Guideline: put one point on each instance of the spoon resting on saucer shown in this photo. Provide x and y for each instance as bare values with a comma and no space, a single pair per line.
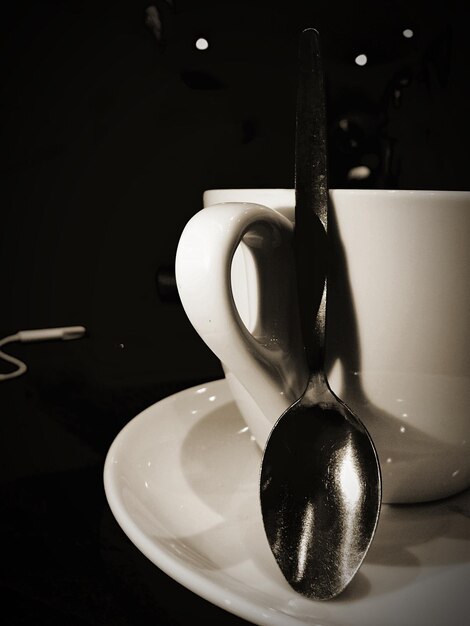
320,483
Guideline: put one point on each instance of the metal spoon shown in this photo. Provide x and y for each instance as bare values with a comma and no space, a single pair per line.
320,484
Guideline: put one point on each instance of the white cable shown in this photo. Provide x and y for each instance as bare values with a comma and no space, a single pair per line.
41,334
11,359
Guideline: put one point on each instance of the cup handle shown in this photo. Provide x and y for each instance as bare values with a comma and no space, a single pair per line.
268,361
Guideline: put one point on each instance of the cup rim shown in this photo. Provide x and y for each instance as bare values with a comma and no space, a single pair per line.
348,191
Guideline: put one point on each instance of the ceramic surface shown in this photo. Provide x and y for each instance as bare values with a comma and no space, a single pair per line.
182,481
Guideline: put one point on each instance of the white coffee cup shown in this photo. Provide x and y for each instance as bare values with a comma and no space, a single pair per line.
398,319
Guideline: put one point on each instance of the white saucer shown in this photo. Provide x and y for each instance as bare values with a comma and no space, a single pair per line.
182,481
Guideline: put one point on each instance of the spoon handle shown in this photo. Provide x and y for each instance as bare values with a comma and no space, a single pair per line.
311,200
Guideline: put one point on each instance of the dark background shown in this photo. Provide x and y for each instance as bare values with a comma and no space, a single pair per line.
112,125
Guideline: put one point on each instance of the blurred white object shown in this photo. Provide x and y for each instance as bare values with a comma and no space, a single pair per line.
40,334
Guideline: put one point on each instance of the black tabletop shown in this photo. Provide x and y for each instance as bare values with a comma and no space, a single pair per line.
65,559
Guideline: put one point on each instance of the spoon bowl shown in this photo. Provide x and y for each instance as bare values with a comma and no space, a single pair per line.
320,493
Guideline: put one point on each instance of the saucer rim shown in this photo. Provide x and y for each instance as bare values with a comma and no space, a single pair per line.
191,579
196,581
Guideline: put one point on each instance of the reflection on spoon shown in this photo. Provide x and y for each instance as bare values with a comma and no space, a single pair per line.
320,484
